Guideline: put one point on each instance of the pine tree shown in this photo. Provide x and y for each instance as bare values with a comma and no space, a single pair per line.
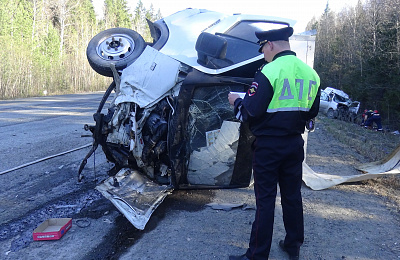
117,14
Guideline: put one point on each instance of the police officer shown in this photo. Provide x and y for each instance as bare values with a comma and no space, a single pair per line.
285,93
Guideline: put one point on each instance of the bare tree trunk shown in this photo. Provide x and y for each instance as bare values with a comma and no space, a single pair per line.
62,16
34,3
64,9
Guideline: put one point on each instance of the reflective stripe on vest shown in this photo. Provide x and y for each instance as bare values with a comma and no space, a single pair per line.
295,92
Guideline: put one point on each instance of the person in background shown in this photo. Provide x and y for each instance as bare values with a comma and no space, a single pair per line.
284,95
374,118
367,114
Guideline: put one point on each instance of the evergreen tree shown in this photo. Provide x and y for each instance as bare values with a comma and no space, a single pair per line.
139,19
358,51
117,14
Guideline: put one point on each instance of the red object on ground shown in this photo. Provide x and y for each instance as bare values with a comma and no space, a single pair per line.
52,229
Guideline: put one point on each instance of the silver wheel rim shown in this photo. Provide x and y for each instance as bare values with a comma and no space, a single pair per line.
116,47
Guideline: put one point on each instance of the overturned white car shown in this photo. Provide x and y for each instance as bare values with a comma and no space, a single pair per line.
169,125
336,103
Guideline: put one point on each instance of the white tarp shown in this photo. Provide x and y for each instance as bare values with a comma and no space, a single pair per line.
320,181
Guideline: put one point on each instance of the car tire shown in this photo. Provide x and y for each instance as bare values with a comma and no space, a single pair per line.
330,113
120,46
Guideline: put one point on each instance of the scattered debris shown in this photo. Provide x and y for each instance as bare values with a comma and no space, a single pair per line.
247,207
44,159
107,221
65,206
82,222
229,206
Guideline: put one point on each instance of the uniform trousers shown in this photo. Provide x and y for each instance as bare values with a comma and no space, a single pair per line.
375,118
277,160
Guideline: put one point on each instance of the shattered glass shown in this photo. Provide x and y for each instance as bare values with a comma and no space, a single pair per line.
209,108
214,137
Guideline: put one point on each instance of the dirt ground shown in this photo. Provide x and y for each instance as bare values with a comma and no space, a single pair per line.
353,221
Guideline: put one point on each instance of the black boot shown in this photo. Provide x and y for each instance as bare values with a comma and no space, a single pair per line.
291,257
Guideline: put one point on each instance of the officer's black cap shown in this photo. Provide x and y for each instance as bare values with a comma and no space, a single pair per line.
282,34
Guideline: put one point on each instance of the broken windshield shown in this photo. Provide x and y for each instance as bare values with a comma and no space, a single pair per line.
338,98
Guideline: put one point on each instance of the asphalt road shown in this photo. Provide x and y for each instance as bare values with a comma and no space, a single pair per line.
37,128
343,222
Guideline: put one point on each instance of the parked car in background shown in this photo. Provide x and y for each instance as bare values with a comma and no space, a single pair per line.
335,103
170,125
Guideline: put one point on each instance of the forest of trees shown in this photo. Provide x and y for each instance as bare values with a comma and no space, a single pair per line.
358,51
43,48
43,43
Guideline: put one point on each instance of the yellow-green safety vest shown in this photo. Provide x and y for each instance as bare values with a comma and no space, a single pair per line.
296,89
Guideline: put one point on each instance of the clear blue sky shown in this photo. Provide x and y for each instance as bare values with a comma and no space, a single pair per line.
300,10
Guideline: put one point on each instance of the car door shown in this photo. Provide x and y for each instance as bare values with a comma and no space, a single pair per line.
324,102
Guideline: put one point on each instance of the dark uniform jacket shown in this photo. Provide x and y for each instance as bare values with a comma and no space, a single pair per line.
253,108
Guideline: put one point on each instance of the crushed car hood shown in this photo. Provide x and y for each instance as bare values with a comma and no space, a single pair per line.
134,195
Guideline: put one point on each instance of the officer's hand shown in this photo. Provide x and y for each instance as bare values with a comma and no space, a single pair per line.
232,98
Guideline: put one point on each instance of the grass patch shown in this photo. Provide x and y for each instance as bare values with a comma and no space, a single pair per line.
373,145
369,143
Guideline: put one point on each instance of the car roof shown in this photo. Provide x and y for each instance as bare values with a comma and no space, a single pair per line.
341,93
